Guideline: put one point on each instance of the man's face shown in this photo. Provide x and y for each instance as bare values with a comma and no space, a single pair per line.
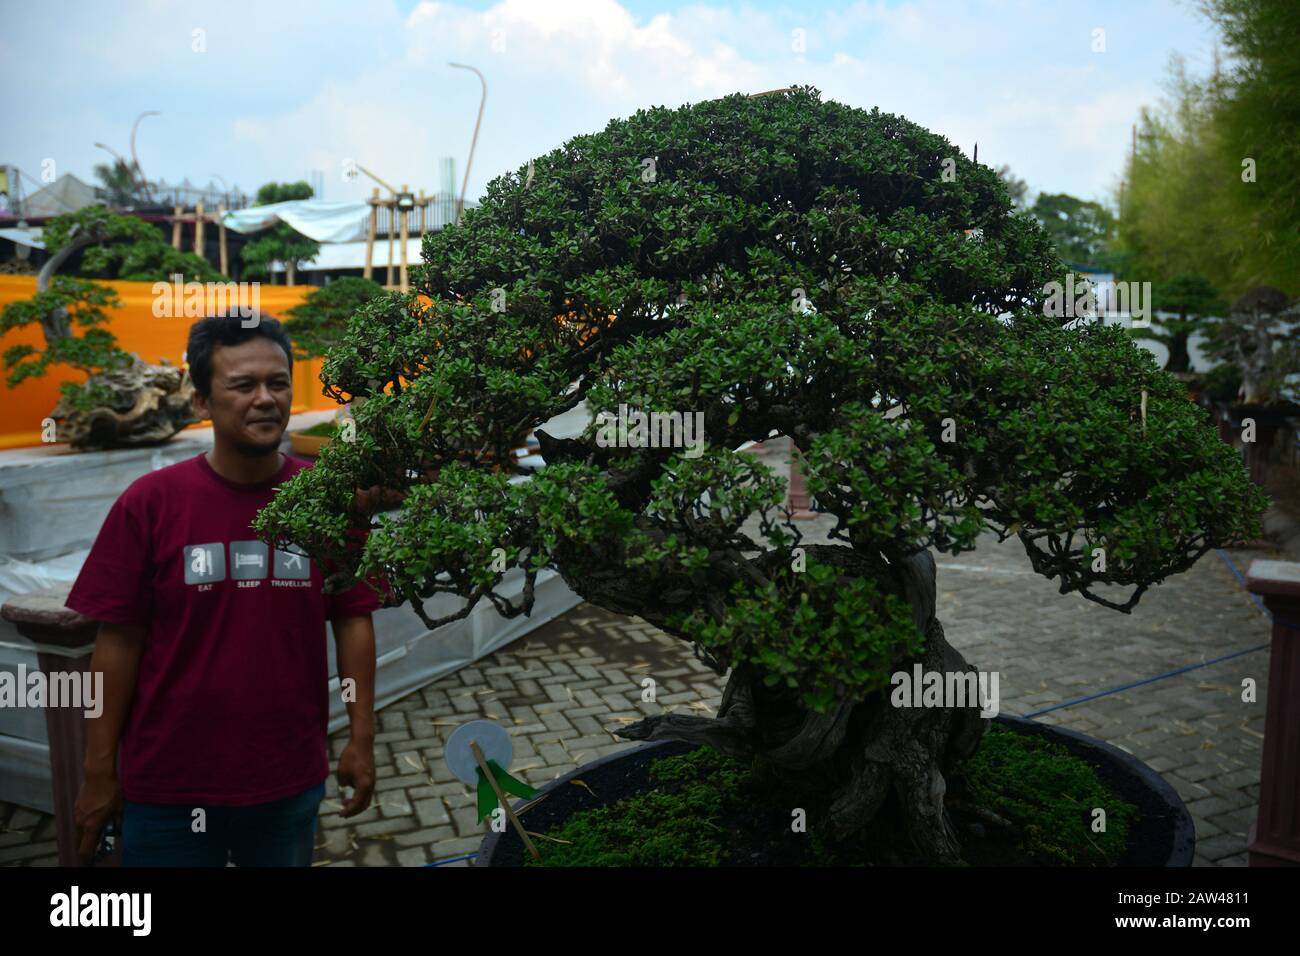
252,392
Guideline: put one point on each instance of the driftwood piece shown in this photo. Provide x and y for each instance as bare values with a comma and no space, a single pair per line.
149,404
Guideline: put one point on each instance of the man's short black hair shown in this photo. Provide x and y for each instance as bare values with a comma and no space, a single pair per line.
209,333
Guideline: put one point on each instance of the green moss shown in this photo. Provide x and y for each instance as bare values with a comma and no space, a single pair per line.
673,824
326,429
1050,796
687,817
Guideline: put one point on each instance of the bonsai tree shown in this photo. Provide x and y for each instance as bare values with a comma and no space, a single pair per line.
1262,338
123,401
281,242
317,325
779,264
1192,301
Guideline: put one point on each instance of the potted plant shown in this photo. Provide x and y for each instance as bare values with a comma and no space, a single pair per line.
1184,306
1261,337
752,264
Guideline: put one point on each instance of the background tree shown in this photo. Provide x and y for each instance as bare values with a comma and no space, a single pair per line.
119,187
780,263
1176,216
1190,303
1214,182
1017,188
1080,229
1256,116
281,242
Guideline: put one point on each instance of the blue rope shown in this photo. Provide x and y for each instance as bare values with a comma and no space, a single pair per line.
452,859
1173,673
1242,581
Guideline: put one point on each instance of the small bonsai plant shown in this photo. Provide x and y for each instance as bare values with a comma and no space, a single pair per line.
1262,338
318,323
778,264
124,401
1190,303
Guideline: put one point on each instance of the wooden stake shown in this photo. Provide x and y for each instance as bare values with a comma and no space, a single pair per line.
391,207
223,250
198,230
404,234
501,797
176,228
369,270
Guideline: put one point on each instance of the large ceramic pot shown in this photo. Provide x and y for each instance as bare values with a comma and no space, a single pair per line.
1163,836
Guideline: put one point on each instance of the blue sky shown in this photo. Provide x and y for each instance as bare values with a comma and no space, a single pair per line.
283,88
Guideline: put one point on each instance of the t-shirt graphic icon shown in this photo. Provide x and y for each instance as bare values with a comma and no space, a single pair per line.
247,559
205,562
292,564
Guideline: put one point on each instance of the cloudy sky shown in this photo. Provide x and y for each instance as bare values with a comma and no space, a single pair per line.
271,90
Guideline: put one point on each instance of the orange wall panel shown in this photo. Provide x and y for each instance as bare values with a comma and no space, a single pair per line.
137,329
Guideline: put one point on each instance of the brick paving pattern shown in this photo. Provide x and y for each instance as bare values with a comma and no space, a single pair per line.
562,689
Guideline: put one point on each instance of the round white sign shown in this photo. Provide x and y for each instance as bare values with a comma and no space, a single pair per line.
492,739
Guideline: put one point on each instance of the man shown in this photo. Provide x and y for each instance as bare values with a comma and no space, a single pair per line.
213,646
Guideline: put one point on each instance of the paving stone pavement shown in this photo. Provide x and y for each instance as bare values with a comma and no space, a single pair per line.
562,689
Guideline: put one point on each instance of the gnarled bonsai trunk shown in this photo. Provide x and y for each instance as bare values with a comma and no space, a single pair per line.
860,750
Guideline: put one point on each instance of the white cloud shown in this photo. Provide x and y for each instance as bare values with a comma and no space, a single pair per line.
284,89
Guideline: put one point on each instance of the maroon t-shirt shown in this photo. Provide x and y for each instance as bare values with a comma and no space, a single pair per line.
232,701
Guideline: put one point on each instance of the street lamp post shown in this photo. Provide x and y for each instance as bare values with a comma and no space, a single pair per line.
460,205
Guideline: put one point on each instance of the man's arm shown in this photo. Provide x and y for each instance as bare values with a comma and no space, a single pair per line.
354,640
118,648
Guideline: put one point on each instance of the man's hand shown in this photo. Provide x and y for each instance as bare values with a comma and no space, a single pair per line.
99,799
357,770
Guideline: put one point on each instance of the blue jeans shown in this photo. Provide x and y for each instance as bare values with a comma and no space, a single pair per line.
279,833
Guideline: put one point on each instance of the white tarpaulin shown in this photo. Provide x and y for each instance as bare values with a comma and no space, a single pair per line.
324,220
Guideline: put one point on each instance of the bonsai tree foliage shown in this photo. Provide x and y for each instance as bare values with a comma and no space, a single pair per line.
318,324
1262,338
1191,303
124,401
779,265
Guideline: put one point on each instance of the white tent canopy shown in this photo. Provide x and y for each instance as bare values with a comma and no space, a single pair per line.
324,220
65,194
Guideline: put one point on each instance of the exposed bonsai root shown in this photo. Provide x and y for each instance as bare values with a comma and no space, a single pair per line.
858,752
